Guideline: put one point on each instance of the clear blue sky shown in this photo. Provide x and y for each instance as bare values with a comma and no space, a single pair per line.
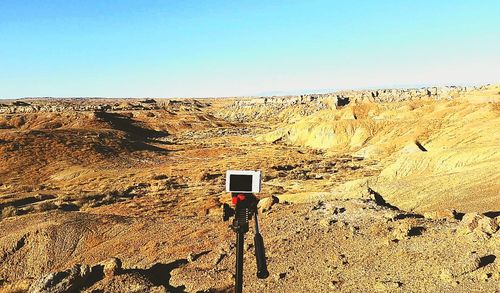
161,48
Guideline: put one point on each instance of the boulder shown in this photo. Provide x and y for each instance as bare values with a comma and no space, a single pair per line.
442,214
477,223
405,231
71,280
112,267
265,204
467,264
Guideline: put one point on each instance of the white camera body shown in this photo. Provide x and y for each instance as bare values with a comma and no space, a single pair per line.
243,181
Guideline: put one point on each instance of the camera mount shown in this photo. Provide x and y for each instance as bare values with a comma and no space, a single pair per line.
245,206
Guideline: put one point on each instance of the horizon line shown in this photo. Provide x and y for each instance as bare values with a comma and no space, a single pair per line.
276,93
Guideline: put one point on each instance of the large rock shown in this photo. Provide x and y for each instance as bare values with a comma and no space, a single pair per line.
71,280
467,264
130,282
442,214
478,224
112,267
405,231
265,204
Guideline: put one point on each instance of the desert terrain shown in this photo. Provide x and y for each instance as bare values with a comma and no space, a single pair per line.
389,190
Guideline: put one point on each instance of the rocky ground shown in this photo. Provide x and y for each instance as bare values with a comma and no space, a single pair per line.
387,190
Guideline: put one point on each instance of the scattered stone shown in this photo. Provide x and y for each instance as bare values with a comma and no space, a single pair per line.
405,231
384,286
190,257
477,223
467,264
280,276
488,225
112,267
335,285
71,280
8,211
469,222
343,260
342,224
354,230
447,276
159,177
484,276
219,258
390,214
386,241
265,204
326,222
400,232
247,246
126,282
318,206
206,176
339,210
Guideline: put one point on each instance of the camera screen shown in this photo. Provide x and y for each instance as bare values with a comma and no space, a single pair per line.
240,183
